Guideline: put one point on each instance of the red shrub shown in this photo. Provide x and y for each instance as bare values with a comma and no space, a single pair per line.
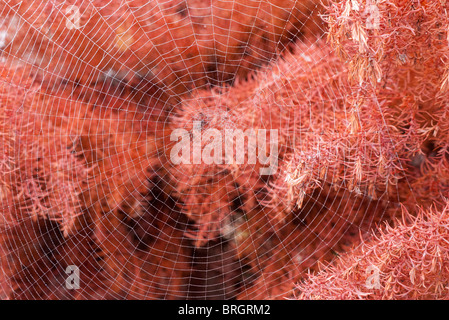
88,169
408,261
181,44
400,48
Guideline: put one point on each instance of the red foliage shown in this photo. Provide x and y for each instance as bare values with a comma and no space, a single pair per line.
42,181
403,54
408,261
181,44
362,127
76,171
330,171
402,61
41,176
381,130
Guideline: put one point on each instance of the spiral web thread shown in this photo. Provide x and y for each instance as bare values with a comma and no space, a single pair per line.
99,97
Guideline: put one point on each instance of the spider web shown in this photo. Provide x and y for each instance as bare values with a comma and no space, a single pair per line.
92,92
